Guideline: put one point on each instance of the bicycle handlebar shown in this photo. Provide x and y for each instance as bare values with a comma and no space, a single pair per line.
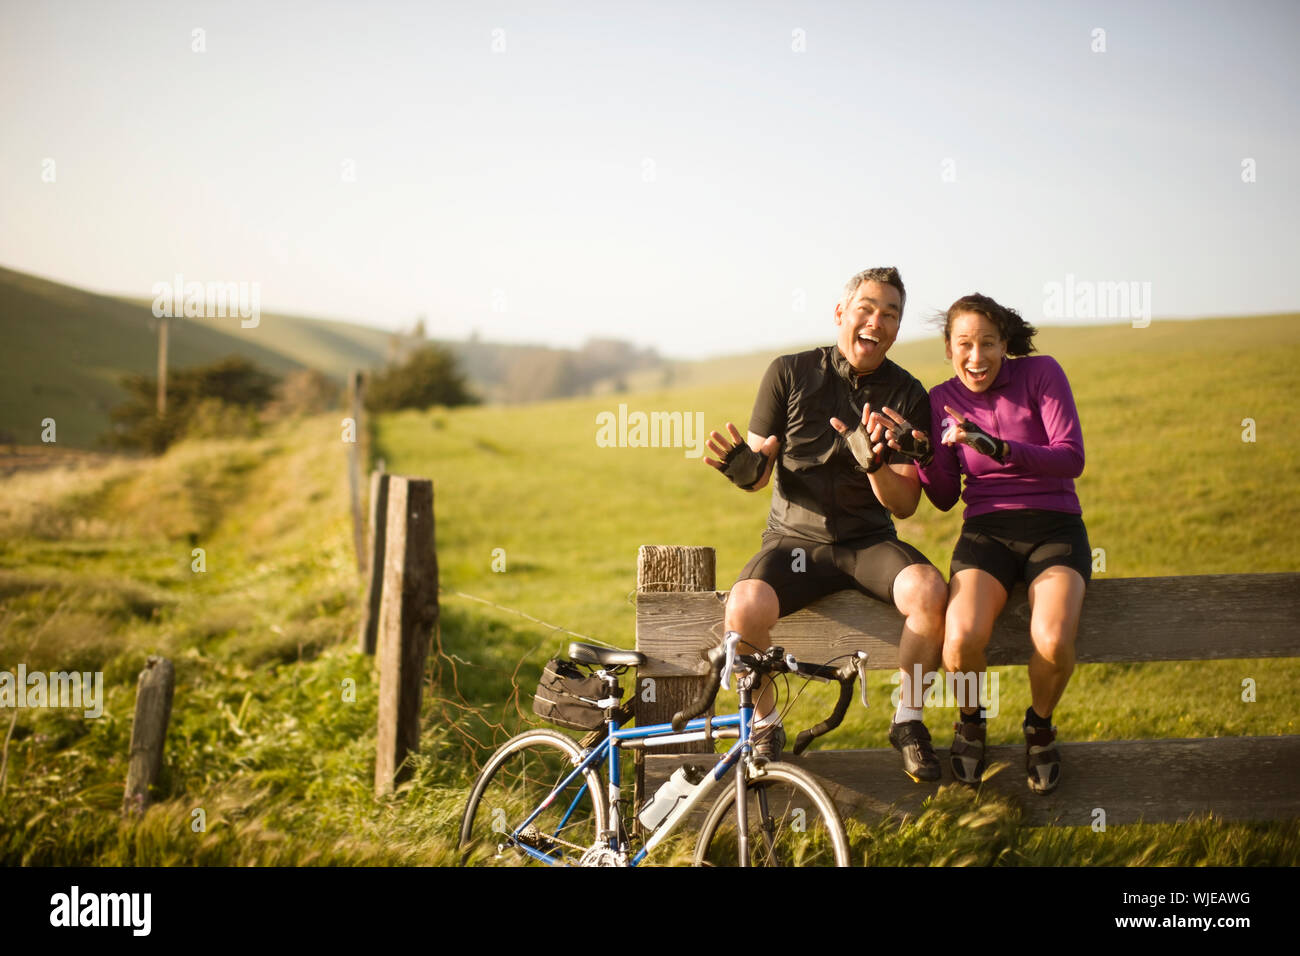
775,661
837,715
717,657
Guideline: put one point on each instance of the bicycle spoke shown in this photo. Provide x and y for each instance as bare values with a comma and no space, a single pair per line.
790,822
516,781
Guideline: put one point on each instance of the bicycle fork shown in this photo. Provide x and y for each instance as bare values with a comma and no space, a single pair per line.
746,737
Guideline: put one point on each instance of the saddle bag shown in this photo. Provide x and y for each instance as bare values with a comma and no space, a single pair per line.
567,697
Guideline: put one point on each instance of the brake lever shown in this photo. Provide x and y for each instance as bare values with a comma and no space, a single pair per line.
860,661
732,639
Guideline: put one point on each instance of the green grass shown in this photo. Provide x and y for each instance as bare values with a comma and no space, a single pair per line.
97,575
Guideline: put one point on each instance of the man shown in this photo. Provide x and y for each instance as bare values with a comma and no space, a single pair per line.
835,490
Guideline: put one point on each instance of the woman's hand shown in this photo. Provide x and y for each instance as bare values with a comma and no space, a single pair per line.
958,429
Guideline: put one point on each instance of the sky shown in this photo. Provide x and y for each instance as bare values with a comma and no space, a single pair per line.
700,178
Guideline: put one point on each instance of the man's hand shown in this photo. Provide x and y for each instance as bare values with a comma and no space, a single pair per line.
866,441
896,487
905,438
742,465
959,429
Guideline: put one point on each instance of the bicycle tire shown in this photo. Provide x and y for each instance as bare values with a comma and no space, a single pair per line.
514,782
803,825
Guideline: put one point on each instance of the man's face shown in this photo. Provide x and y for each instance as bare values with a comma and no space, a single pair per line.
868,324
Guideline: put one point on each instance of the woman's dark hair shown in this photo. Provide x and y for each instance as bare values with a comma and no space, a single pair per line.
1018,334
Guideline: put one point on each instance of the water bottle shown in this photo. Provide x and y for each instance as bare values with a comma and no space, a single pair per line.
676,788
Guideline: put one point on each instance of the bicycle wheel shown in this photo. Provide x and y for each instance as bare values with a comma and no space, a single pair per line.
514,782
791,822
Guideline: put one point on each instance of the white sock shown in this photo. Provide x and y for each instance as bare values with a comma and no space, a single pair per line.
904,714
767,721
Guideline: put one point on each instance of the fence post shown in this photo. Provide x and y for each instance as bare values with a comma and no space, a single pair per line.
355,385
375,572
408,613
153,710
670,568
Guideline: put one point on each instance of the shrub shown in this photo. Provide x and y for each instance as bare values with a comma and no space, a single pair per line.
192,393
429,376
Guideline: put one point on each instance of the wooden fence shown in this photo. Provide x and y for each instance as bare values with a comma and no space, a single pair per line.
1202,617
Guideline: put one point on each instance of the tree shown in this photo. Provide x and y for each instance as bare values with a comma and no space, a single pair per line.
429,376
232,381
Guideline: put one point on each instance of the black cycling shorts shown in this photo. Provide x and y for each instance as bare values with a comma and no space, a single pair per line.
801,571
1021,544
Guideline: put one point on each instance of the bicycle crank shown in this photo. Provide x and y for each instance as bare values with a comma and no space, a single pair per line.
600,855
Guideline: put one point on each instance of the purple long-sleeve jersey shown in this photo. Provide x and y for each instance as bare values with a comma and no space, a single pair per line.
1030,406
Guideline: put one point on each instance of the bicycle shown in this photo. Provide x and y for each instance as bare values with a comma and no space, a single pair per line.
540,797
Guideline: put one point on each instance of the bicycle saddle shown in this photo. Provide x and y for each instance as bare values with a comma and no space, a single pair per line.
604,656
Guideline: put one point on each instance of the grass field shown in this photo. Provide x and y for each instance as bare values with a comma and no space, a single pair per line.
96,574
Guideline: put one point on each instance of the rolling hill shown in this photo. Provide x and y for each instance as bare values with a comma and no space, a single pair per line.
65,350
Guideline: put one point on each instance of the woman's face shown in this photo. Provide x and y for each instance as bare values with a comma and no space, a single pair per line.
976,350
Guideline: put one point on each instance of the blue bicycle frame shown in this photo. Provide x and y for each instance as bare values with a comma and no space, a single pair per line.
655,735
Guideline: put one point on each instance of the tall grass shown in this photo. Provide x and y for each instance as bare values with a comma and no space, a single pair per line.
269,757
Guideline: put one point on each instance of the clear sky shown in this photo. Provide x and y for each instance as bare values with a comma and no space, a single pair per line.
697,177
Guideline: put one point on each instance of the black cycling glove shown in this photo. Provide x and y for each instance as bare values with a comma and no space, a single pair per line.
909,445
744,466
982,441
859,443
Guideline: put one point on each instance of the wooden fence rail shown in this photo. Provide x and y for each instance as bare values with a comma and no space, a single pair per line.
1202,617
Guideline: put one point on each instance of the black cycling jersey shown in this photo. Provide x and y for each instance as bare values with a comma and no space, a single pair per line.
818,492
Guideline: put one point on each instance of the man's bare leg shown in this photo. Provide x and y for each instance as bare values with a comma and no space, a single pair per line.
921,597
752,611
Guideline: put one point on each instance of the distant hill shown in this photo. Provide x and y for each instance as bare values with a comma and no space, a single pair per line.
65,350
924,357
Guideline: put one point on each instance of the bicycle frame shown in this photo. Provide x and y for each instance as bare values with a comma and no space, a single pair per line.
655,735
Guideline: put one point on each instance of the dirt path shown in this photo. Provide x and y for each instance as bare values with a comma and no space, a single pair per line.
18,458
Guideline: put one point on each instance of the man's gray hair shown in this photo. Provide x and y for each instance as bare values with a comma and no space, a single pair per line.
886,274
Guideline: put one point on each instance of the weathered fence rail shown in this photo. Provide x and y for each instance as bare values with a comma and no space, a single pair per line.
1202,617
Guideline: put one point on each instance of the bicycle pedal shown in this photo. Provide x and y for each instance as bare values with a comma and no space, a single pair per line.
758,767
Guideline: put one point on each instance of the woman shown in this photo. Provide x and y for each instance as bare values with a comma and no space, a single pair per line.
1008,423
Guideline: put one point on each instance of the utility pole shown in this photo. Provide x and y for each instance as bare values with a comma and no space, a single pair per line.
356,385
162,366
